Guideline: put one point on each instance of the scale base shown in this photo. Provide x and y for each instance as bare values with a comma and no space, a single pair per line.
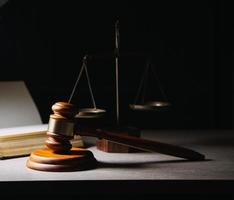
76,159
113,147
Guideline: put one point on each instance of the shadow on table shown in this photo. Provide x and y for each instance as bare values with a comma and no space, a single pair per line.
143,163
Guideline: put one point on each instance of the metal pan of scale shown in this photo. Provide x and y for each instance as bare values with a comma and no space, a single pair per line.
151,106
90,113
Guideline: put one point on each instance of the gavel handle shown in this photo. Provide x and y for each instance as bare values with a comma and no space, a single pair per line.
146,145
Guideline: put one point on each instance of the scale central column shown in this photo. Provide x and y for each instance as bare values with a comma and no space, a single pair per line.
117,69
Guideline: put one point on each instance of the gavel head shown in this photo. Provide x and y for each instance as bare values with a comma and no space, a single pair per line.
61,127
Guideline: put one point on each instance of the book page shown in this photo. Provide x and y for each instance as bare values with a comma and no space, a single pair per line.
19,130
17,107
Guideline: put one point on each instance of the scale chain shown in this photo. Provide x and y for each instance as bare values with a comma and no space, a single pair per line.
76,83
84,67
89,85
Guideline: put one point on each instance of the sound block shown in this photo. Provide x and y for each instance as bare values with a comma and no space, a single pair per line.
75,160
113,147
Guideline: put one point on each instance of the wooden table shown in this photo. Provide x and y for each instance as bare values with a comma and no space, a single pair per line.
136,174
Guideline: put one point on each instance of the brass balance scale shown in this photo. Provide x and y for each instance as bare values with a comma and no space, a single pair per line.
139,103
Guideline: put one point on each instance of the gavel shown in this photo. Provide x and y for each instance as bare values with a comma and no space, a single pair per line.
62,127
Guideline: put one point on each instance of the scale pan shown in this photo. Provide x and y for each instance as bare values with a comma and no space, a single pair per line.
150,106
90,113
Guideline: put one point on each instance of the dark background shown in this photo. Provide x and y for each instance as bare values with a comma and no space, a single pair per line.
189,43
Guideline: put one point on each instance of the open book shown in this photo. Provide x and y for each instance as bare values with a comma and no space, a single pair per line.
22,140
21,128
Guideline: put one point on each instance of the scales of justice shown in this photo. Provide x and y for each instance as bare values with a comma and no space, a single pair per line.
64,124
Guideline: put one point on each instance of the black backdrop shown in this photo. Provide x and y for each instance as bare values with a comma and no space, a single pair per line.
43,43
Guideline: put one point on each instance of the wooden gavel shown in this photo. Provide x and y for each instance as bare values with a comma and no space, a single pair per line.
62,127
